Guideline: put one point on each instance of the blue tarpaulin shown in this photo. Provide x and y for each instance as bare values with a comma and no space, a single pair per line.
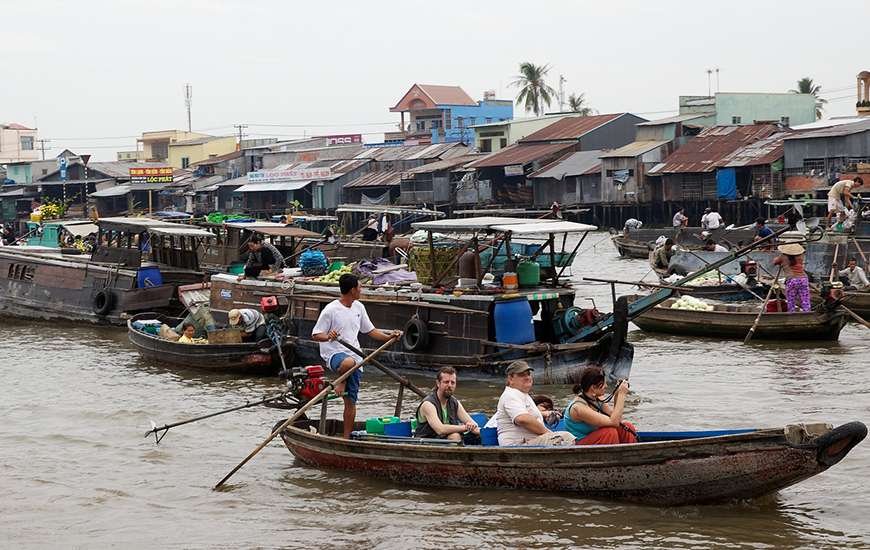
726,183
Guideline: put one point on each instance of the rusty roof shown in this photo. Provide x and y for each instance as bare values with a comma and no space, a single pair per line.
436,94
580,163
521,153
634,149
763,151
446,164
703,152
572,127
413,152
385,178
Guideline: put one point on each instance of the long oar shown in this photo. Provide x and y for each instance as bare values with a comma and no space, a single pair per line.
317,398
165,428
388,371
763,308
855,316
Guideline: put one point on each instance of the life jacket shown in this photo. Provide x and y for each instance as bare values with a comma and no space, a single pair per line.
423,427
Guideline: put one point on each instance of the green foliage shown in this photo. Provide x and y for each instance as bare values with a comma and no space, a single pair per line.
807,86
577,104
534,93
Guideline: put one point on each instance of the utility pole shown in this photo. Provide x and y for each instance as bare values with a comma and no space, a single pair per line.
42,143
188,99
562,82
717,80
240,127
709,90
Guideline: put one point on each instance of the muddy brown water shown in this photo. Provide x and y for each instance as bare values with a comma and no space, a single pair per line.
77,472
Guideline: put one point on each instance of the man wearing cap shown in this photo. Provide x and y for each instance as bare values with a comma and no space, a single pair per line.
251,321
797,285
711,220
517,418
345,318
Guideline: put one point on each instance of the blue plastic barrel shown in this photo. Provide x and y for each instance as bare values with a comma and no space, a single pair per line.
401,429
147,277
513,321
489,437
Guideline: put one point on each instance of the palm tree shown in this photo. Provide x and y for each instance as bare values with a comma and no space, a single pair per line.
534,92
577,104
806,86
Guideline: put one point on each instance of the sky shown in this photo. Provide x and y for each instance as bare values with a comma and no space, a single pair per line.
92,75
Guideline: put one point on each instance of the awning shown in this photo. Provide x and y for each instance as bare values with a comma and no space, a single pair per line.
184,231
276,186
470,224
80,229
115,191
539,226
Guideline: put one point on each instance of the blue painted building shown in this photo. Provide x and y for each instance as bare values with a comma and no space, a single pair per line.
444,114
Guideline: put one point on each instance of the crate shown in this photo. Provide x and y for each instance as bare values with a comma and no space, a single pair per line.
225,336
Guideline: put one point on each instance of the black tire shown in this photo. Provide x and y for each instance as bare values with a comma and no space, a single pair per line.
416,335
103,302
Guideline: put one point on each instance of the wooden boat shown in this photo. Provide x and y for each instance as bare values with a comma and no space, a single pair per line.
856,300
245,357
663,469
118,278
640,242
735,320
629,248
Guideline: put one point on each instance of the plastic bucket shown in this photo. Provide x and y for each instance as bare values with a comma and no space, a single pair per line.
489,437
509,280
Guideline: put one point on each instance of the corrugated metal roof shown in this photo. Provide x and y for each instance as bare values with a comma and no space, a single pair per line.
446,164
521,153
834,131
241,180
197,141
413,152
763,151
218,159
574,164
71,182
634,149
120,169
386,178
827,123
275,186
115,191
703,152
570,128
677,118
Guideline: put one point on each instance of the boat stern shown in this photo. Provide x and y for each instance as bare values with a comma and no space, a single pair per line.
831,444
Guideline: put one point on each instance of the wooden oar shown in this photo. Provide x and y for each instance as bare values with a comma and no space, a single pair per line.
835,266
763,308
316,399
855,316
386,370
861,252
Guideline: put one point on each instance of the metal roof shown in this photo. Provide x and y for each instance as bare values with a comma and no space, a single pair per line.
71,182
574,164
469,224
385,178
413,152
397,210
197,141
834,131
675,119
218,159
828,122
116,191
182,230
241,180
763,151
634,149
446,164
703,152
273,229
119,169
276,186
570,128
521,153
545,226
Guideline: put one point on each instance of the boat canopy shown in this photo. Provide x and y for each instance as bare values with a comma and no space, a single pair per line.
466,224
133,224
545,226
273,229
79,228
396,210
181,230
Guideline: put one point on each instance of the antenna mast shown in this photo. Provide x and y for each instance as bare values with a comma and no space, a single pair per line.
188,99
562,82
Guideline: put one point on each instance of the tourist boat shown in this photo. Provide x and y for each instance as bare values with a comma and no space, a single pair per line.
735,320
479,331
136,265
239,357
663,469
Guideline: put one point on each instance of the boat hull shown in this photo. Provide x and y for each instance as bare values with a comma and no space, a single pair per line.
628,248
243,358
736,321
669,473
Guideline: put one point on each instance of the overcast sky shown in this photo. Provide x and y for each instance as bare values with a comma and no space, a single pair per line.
85,71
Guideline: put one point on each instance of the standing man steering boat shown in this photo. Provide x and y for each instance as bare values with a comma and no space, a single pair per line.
346,318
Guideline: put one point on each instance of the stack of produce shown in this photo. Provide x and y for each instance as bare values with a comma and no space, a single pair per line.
334,276
691,303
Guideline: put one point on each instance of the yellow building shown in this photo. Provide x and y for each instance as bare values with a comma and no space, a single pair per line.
184,153
155,145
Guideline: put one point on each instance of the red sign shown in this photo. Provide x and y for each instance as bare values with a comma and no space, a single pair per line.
344,139
151,175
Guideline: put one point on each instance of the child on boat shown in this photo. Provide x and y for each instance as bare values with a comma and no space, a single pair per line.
591,419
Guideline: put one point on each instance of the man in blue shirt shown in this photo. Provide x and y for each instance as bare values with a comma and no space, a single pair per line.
762,231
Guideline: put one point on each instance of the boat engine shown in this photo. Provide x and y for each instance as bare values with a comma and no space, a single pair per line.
306,382
568,322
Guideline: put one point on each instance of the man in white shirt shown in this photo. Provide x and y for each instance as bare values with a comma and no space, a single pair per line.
711,219
856,275
680,218
712,246
840,195
345,318
518,419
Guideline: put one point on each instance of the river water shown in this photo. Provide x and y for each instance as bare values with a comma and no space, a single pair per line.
77,472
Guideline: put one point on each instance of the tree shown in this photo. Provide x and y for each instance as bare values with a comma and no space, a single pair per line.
577,104
806,86
534,92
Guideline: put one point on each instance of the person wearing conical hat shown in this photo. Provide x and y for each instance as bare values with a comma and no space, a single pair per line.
797,285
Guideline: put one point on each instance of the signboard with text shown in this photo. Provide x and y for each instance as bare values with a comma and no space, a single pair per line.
344,139
151,175
296,174
513,170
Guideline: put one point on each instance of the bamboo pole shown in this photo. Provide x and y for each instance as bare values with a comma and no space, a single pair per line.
292,418
763,308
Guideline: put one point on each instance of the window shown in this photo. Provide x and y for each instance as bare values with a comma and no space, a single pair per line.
486,146
460,122
735,120
784,120
503,143
27,143
421,125
488,119
44,171
448,123
185,162
472,121
435,124
611,173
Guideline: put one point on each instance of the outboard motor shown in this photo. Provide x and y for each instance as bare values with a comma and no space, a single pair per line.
306,382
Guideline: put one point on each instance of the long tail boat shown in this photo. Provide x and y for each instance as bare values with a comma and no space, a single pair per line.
663,469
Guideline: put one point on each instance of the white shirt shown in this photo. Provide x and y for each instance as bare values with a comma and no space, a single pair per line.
348,322
711,220
511,404
679,219
857,277
719,248
839,188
